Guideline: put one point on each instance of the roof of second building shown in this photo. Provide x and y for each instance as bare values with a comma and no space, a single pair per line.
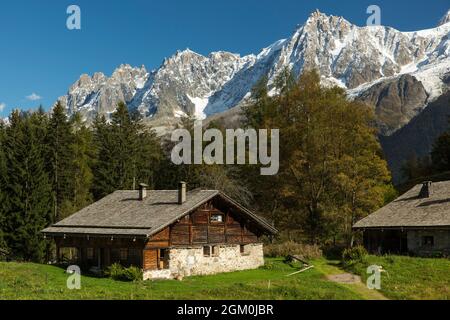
411,210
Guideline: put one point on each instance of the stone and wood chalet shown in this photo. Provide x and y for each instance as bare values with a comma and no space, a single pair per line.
167,233
418,222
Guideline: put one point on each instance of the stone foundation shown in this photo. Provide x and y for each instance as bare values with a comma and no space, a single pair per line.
441,241
184,262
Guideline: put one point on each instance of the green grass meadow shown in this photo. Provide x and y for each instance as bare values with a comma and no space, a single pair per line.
406,278
409,277
34,281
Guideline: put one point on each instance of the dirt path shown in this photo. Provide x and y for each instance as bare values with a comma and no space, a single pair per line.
350,281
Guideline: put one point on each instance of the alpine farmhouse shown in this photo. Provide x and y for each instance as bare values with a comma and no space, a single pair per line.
418,223
167,233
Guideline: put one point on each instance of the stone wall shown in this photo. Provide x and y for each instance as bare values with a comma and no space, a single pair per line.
441,241
184,262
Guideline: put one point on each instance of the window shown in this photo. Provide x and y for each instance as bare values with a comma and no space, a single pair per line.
68,255
215,251
90,253
124,254
134,257
115,255
428,241
162,259
207,251
244,250
217,218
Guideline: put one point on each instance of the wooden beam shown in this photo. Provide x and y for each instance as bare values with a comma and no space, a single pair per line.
303,270
58,254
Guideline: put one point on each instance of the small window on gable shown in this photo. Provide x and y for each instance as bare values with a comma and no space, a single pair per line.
216,218
215,251
207,251
428,241
242,248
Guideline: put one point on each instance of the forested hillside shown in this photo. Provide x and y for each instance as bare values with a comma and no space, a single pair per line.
331,169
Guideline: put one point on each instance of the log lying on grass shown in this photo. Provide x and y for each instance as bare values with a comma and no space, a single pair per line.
296,272
306,265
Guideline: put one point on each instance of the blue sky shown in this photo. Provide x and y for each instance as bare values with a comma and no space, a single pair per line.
40,58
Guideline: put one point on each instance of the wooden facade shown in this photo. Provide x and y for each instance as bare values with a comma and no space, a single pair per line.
213,223
391,241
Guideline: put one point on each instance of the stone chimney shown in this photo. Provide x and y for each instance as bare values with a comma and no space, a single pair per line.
425,192
142,191
181,192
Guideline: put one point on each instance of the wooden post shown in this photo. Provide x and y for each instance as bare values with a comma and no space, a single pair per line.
107,257
191,236
79,256
58,257
99,257
225,220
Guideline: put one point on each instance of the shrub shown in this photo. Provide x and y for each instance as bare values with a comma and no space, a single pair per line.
117,272
133,274
354,255
292,248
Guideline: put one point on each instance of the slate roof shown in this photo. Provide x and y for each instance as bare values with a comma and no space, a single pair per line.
123,214
409,210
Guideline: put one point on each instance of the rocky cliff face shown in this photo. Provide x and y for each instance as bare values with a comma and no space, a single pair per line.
100,94
396,102
416,139
364,60
185,82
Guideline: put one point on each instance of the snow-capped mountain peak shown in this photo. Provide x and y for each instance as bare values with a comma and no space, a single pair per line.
352,57
445,19
100,94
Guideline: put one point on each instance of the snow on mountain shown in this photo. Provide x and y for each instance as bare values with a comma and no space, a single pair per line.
5,121
189,84
99,94
348,56
185,82
445,19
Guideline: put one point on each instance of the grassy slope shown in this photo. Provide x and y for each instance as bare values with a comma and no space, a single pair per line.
410,278
33,281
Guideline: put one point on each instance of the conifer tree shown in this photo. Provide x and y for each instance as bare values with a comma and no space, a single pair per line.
126,153
28,202
82,150
440,153
104,167
125,142
2,184
59,160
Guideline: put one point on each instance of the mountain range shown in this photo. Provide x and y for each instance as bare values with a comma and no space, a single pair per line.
405,76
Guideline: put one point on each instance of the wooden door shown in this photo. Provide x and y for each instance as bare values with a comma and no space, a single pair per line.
150,259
